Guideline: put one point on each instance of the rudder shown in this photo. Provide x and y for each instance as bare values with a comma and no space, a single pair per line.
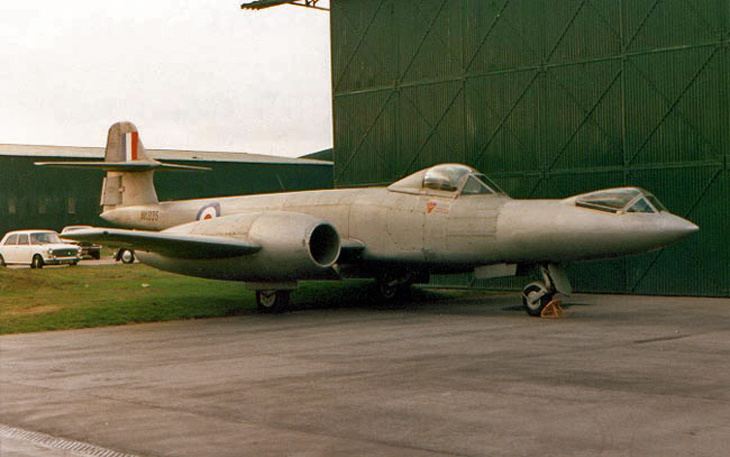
127,188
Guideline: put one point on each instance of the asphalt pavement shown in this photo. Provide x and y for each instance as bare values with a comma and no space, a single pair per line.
469,376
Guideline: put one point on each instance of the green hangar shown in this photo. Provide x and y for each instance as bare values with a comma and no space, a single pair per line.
549,98
34,197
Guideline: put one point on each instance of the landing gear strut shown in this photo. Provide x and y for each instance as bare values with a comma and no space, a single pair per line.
537,295
392,286
272,301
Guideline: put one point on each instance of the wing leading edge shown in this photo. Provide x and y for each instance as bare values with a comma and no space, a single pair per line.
168,244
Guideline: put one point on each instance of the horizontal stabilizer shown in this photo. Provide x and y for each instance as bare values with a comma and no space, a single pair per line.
167,244
137,165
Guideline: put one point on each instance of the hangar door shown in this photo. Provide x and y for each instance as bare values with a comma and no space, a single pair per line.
549,99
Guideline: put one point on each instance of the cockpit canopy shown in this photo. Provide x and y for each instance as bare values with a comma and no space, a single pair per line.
446,179
621,199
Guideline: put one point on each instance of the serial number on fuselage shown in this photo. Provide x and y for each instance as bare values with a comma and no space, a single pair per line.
150,216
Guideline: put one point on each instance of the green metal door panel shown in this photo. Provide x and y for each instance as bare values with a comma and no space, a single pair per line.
431,128
555,98
46,198
698,264
588,29
724,97
581,112
517,185
501,120
663,93
427,46
368,57
366,127
566,184
501,35
652,24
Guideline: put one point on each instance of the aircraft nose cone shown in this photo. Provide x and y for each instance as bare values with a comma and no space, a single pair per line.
679,228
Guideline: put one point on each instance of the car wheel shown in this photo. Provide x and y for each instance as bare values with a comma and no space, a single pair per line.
127,256
2,261
37,262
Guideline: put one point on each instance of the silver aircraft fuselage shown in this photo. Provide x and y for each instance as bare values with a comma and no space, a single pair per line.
441,233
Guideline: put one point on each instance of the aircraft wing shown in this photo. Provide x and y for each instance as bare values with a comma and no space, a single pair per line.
168,244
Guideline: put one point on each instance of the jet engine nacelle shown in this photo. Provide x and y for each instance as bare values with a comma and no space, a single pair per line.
293,246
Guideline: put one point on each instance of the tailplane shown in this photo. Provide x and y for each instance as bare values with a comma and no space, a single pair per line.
129,170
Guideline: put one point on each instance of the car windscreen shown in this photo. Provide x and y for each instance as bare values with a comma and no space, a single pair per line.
44,238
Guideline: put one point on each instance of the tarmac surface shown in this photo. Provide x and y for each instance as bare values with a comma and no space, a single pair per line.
469,376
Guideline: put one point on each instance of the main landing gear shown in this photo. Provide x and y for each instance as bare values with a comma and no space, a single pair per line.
392,286
272,301
537,295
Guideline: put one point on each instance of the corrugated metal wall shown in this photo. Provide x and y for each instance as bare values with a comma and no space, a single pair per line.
550,99
34,197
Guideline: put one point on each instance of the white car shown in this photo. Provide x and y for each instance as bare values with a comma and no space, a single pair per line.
88,250
37,248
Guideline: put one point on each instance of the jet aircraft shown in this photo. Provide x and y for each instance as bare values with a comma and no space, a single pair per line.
448,218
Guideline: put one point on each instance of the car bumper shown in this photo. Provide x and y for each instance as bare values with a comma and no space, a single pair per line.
61,260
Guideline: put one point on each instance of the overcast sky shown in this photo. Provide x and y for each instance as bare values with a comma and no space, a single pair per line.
191,74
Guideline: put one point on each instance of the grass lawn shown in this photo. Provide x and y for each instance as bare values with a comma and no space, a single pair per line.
77,297
93,296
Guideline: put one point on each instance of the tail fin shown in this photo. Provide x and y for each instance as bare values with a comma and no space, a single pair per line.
129,170
127,188
123,144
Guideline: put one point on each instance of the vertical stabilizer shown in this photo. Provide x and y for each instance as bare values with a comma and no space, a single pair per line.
129,170
127,188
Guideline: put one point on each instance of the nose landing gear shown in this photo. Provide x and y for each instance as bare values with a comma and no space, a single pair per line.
537,295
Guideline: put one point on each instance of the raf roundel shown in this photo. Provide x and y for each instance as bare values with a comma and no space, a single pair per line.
210,211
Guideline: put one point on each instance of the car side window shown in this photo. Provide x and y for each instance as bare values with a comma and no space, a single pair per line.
23,240
11,241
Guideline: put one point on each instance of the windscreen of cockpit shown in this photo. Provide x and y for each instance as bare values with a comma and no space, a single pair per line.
478,183
628,199
452,177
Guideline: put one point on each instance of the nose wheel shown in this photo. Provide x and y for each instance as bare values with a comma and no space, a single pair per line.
535,297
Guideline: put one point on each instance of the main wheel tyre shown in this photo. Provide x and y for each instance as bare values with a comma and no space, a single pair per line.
392,288
272,301
535,296
127,256
37,262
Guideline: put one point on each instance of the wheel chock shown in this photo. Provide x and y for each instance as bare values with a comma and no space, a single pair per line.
552,310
